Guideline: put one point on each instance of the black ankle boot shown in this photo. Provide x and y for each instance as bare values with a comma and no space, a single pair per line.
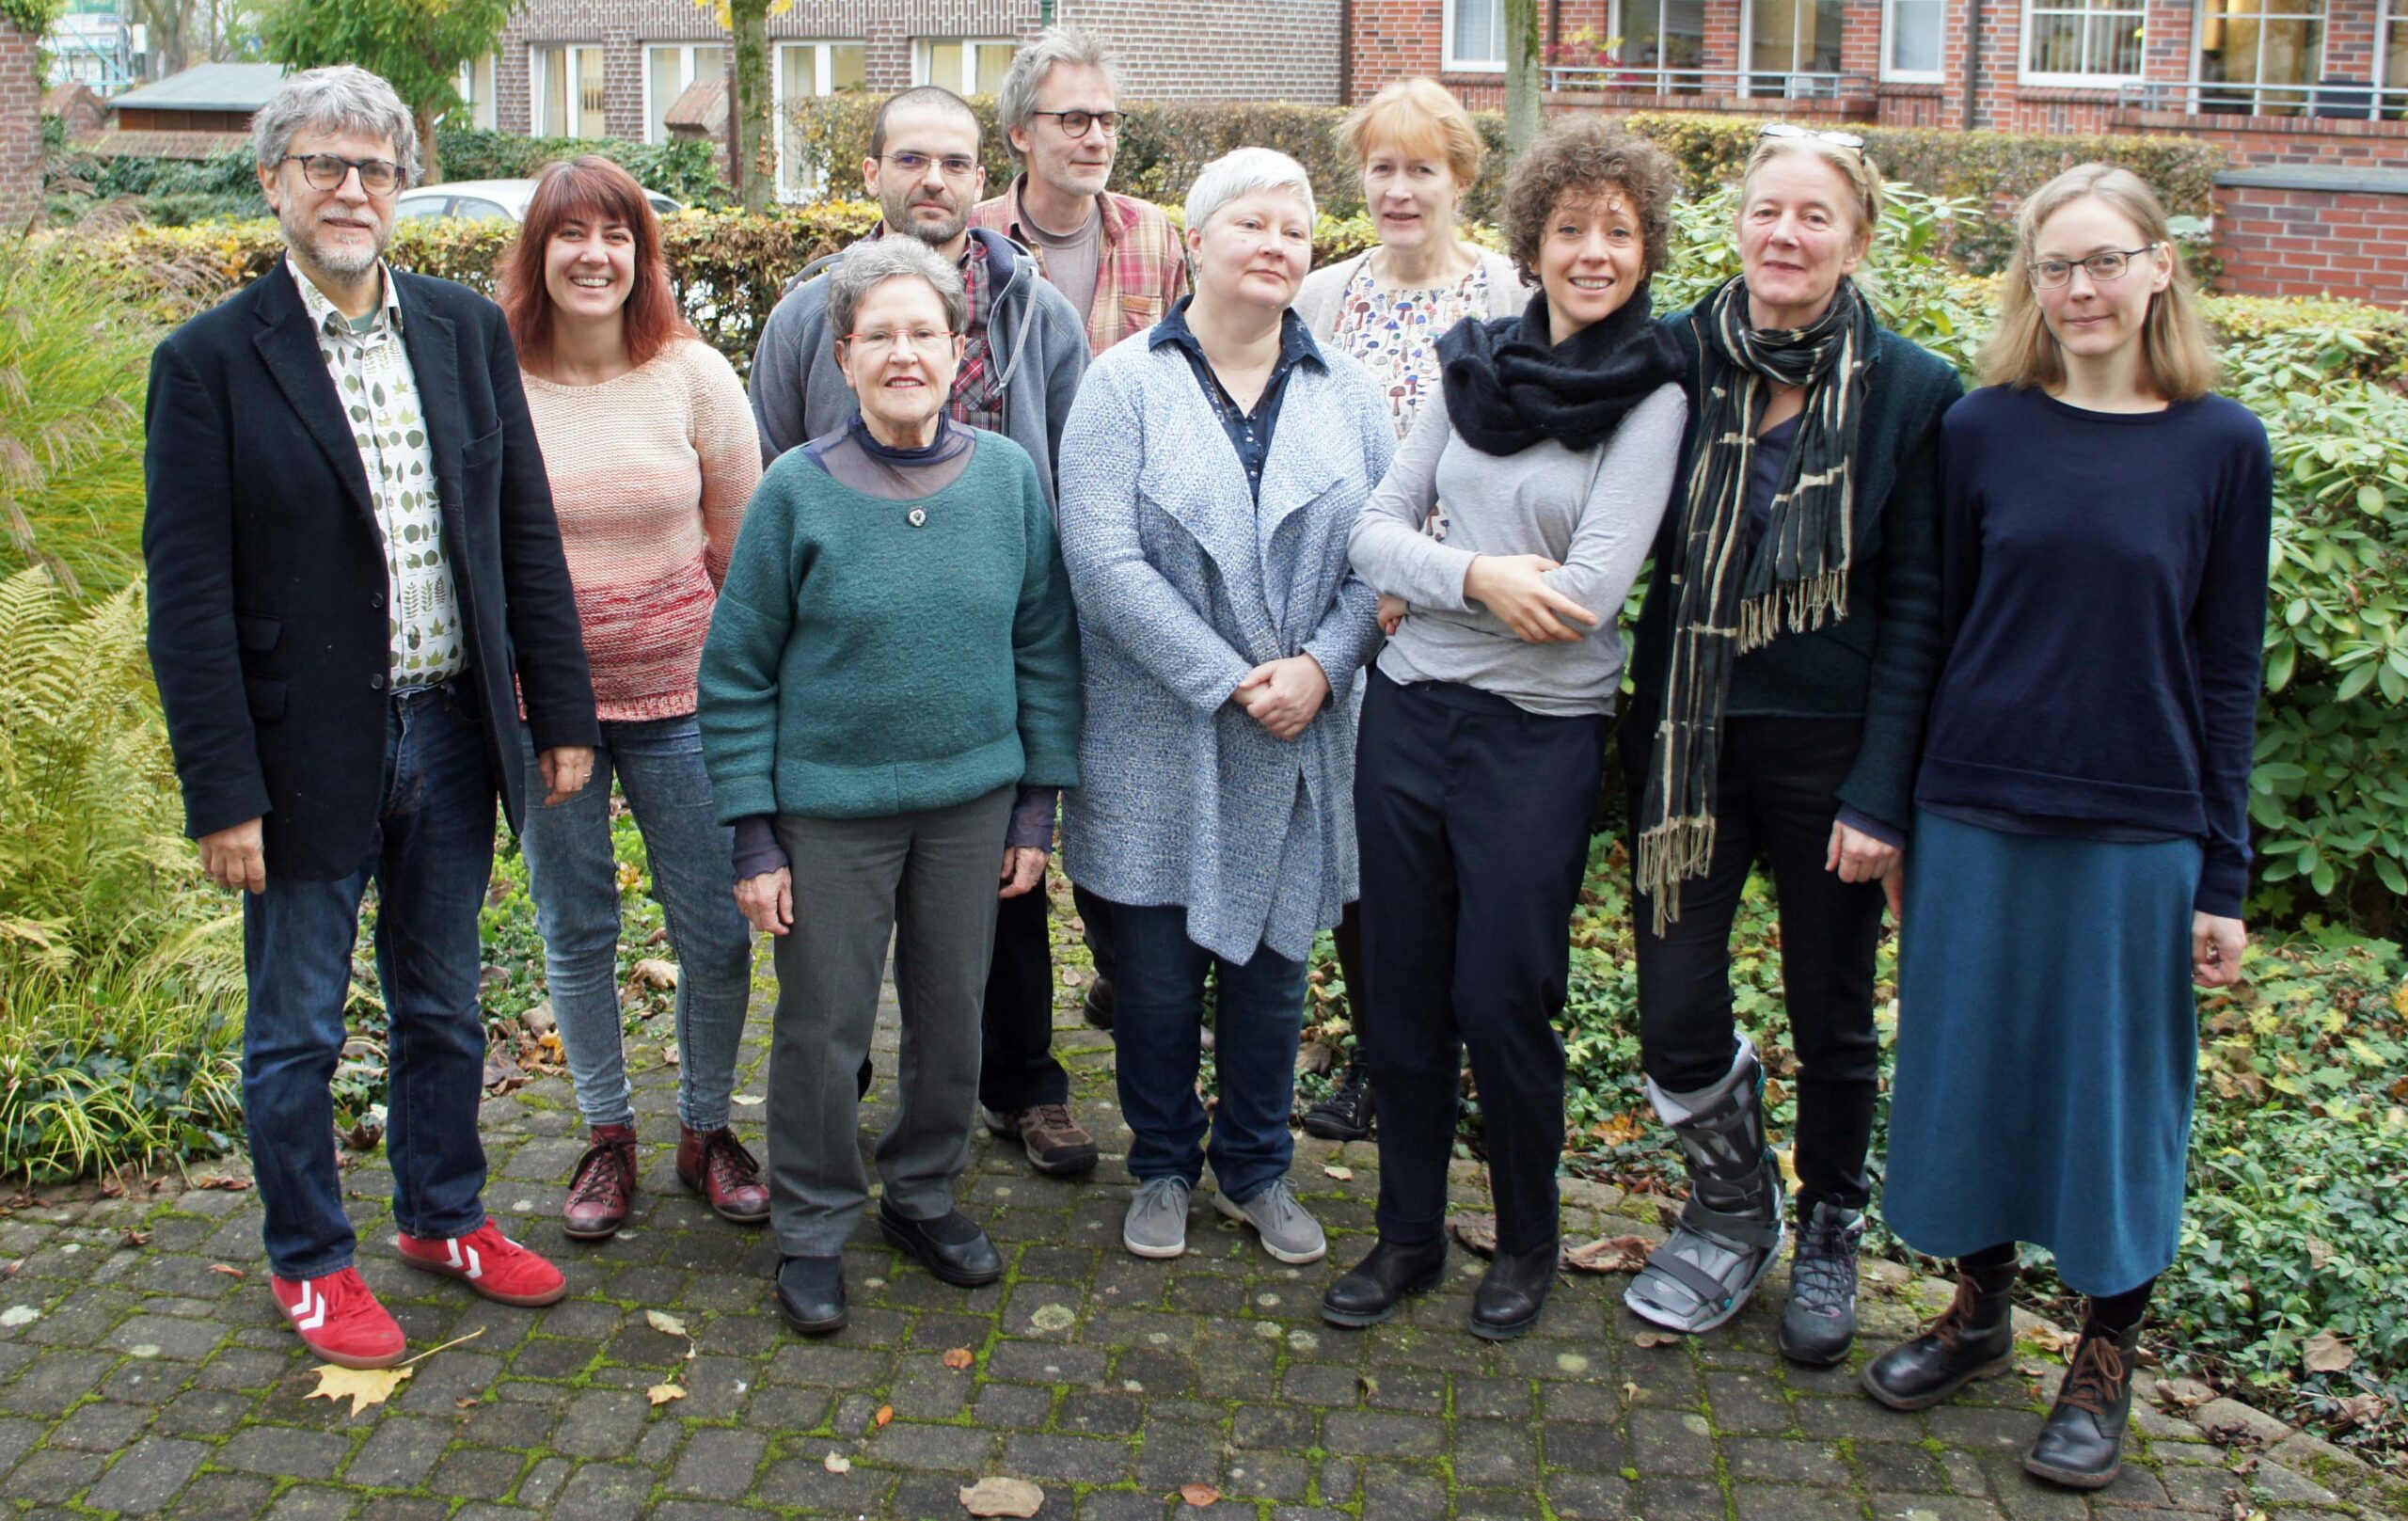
1973,1339
1345,1114
1381,1282
1511,1296
2082,1445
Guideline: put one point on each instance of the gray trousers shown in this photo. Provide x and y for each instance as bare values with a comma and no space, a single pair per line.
929,880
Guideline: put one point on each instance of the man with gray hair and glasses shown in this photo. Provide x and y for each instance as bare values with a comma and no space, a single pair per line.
1024,349
356,575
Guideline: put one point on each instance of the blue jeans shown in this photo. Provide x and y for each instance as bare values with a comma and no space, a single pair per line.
431,858
574,881
1158,1024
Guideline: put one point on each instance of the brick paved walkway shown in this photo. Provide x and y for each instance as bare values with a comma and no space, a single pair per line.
141,1380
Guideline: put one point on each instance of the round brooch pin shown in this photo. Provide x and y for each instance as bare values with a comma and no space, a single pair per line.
917,516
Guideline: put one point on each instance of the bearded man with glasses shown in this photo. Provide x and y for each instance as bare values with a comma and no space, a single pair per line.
1023,348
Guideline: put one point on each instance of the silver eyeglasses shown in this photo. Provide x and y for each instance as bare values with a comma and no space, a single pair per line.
2106,264
1837,140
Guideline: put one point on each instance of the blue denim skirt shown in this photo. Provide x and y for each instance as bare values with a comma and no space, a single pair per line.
2047,1044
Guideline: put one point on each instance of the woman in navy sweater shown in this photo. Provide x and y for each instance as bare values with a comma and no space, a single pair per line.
2081,829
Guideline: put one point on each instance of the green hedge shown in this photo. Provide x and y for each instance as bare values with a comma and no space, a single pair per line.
687,171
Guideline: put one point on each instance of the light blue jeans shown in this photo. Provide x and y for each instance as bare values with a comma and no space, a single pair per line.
574,881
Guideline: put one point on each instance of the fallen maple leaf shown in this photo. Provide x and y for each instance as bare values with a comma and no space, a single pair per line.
362,1386
1003,1497
1478,1233
1344,1175
652,972
1610,1254
885,1414
836,1463
960,1357
229,1268
2049,1338
1199,1496
227,1181
663,1393
2328,1353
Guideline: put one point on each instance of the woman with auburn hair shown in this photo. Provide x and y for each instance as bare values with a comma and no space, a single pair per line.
2080,826
1785,657
1387,307
650,446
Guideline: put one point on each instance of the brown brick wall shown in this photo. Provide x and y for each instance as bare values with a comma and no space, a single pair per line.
2314,242
20,131
1259,50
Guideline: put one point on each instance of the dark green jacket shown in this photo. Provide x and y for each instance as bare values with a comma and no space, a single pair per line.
1881,661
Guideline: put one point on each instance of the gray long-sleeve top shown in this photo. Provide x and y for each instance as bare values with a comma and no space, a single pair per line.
1594,511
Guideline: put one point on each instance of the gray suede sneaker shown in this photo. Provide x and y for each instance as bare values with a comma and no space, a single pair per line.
1288,1232
1156,1225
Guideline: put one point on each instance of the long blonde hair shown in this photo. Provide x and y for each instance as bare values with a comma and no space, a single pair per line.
2174,346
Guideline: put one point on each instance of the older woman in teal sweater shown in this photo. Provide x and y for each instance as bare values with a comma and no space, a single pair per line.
893,662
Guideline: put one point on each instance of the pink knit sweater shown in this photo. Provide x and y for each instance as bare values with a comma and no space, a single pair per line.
650,475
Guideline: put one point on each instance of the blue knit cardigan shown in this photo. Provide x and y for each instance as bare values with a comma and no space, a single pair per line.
1183,585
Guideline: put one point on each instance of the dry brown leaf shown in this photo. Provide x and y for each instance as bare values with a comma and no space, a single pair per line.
228,1181
663,1393
2362,1409
885,1414
2049,1338
1199,1496
2328,1353
2318,1253
134,1238
1609,1254
362,1386
2184,1393
364,1136
669,1053
652,972
229,1268
1003,1497
1315,1056
1657,1339
664,1323
1344,1175
836,1463
1477,1232
1370,1386
960,1357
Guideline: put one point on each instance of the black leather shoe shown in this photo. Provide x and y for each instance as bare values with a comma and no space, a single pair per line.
1095,1007
1511,1296
2082,1445
1386,1278
811,1293
1974,1338
1345,1114
952,1246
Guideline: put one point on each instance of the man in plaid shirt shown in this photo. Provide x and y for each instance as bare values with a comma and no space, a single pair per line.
1118,258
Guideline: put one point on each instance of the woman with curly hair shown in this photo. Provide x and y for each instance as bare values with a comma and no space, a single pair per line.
1552,438
1785,657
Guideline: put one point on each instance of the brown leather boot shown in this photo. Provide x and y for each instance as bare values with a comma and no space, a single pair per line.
715,1164
603,1185
2082,1447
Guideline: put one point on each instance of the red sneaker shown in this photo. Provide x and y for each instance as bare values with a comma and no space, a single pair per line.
338,1318
491,1264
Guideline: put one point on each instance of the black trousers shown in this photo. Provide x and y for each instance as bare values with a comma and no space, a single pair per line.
1777,797
1016,1067
1473,817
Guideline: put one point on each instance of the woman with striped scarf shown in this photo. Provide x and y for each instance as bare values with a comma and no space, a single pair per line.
1786,655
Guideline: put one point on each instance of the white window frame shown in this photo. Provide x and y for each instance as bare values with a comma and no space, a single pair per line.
483,112
822,67
924,56
539,86
1450,64
2026,75
686,61
2394,14
1889,30
2305,104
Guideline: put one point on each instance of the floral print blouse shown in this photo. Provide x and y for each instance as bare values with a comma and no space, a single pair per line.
1395,333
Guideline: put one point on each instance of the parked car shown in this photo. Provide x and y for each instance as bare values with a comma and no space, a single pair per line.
481,200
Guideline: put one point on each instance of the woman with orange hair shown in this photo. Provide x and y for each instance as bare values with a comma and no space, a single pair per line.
650,446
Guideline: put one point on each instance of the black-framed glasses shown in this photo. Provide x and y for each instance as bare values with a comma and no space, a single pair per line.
2106,264
956,166
327,171
1075,123
1791,134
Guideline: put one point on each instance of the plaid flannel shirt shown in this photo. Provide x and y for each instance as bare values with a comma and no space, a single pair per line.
1141,271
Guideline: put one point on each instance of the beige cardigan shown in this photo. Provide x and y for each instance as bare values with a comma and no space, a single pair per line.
1317,298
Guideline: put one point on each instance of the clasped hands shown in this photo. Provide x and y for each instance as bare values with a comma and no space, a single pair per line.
1284,695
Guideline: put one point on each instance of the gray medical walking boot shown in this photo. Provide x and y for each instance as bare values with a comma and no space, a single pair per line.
1730,1230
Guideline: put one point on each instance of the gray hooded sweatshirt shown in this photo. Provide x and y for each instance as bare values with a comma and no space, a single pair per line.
1039,339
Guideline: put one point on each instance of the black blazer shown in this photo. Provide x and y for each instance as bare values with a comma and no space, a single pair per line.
268,625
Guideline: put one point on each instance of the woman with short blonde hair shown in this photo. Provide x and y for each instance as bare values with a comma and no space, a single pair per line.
2082,811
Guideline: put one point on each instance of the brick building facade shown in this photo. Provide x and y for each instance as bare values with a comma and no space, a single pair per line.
2310,97
612,68
20,131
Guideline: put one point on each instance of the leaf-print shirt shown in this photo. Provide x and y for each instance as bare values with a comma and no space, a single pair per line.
1395,332
371,369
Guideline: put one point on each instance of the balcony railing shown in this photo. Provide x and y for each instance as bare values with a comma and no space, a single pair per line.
2333,100
1777,84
